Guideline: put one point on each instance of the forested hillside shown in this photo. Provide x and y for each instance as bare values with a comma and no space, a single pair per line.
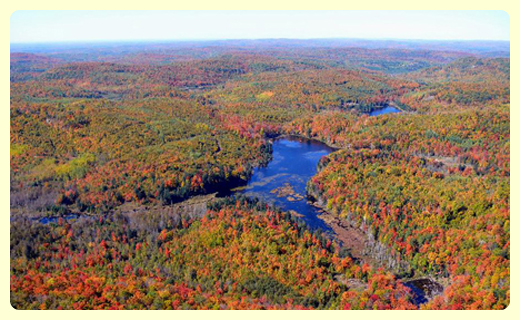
95,131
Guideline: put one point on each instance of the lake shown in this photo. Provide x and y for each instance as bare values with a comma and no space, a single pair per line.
282,182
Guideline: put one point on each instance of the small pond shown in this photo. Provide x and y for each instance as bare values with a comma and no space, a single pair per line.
385,110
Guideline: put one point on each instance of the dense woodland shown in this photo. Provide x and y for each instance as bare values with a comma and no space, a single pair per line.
98,127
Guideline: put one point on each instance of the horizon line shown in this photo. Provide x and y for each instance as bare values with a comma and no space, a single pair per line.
250,39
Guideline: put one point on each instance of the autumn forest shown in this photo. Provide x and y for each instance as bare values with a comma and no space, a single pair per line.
127,162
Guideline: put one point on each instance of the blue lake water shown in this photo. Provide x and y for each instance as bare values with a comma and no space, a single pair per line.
385,110
282,182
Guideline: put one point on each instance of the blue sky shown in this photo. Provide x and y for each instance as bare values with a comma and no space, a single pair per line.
58,26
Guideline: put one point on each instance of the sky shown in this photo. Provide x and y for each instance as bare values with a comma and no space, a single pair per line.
64,26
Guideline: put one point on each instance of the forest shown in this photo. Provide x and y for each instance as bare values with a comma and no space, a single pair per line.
110,143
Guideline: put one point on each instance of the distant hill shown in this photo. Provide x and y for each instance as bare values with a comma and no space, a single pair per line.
480,47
